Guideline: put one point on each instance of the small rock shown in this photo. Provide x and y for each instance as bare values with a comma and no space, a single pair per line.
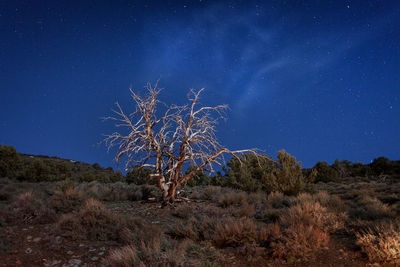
51,263
37,239
28,251
81,245
91,249
72,263
94,258
58,240
101,253
69,252
24,229
103,248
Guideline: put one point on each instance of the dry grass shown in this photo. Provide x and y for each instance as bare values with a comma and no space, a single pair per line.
147,254
183,211
310,213
68,200
371,208
232,198
196,228
234,233
124,257
211,193
93,222
303,229
381,243
245,210
175,255
278,200
136,230
299,242
28,209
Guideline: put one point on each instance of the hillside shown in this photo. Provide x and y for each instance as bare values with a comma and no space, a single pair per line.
56,218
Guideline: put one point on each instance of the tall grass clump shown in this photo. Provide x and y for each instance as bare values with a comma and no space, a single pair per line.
93,222
381,242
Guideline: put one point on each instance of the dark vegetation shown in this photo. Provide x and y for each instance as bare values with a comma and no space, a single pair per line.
258,213
245,172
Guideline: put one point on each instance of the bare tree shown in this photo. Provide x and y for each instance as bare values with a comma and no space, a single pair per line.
182,134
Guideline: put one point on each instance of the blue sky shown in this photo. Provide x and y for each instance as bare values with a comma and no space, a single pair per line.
317,78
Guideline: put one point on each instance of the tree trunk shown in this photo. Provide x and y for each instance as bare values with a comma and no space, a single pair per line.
171,192
169,195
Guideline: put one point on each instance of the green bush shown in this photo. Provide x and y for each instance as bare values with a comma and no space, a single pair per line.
139,176
342,167
246,172
358,169
87,177
117,177
199,179
10,162
40,170
287,176
381,165
325,173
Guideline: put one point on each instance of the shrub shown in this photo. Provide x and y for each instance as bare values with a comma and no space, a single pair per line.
97,166
287,176
245,210
299,242
245,172
28,209
88,176
175,255
381,243
256,198
63,170
381,165
371,208
137,230
278,200
116,177
183,211
93,222
139,176
325,173
232,198
67,200
197,228
147,256
124,257
234,233
199,179
312,213
10,162
40,170
211,192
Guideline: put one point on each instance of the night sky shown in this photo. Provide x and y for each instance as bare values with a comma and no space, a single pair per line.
320,79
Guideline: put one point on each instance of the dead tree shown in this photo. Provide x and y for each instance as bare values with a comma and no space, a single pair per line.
166,142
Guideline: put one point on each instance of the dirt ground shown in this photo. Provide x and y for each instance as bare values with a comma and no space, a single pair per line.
37,245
